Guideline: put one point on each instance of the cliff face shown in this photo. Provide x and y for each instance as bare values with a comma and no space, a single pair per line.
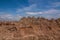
30,29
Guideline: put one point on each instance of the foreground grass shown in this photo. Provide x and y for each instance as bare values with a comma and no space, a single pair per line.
30,28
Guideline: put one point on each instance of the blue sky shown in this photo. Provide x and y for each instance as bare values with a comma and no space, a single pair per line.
16,9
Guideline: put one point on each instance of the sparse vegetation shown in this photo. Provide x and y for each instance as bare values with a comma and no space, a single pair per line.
30,28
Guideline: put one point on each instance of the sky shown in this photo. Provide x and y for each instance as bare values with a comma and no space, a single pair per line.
16,9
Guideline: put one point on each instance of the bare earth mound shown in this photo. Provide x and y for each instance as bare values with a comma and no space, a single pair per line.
30,28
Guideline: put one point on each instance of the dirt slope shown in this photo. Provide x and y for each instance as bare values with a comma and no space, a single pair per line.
30,28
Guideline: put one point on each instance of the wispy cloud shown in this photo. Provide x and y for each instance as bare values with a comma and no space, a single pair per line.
33,13
37,9
50,11
56,4
9,17
6,16
32,7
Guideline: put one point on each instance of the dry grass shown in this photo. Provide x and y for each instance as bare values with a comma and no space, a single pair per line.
30,28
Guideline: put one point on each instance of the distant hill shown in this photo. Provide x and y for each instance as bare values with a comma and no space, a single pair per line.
30,28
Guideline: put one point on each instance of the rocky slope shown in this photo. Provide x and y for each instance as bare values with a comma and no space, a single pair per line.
30,28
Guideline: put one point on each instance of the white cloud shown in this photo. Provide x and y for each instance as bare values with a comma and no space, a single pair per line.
51,11
34,13
18,17
53,5
10,17
56,4
26,9
33,10
6,16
